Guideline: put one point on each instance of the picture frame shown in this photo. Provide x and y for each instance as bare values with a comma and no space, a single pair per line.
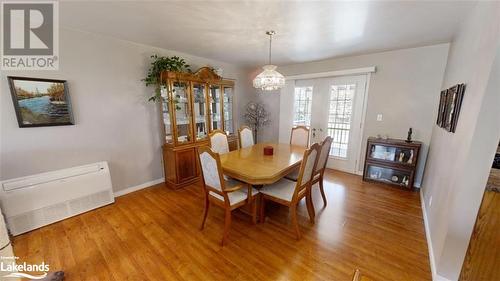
40,102
453,103
458,106
442,107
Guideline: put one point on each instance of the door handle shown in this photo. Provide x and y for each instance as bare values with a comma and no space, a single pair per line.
314,131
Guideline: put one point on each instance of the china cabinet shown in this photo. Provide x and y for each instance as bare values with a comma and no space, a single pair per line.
392,161
192,105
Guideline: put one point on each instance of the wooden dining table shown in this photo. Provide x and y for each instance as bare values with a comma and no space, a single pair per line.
250,165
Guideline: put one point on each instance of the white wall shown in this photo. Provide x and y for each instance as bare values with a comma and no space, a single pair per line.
114,122
405,89
459,163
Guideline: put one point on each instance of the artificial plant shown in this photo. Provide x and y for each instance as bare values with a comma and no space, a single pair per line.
160,64
256,117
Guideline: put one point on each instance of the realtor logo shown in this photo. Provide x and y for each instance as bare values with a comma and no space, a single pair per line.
30,35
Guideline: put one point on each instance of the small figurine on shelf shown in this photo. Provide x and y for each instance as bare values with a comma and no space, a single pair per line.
410,160
408,139
401,156
405,181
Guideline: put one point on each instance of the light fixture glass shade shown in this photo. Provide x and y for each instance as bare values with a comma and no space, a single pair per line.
269,79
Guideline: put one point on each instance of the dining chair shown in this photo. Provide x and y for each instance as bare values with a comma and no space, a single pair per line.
289,193
218,141
229,194
245,137
300,136
320,167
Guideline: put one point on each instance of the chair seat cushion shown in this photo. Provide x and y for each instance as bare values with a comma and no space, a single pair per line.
282,189
237,196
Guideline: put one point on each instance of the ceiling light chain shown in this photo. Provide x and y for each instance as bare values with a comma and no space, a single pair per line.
270,33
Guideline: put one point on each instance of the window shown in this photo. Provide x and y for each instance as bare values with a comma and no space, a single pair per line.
339,118
302,106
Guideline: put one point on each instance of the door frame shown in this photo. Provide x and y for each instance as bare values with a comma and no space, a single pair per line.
358,165
347,72
355,144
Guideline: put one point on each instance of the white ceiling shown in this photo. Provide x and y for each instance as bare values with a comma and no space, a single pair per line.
234,31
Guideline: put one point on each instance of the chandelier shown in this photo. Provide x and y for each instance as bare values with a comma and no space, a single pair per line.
269,79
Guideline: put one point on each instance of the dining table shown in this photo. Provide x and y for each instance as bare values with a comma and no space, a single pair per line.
252,166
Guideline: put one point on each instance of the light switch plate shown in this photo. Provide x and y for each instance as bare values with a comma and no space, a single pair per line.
379,117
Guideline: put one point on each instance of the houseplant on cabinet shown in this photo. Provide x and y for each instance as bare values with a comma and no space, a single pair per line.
157,66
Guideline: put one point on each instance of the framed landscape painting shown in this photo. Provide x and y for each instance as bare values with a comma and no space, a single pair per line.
40,102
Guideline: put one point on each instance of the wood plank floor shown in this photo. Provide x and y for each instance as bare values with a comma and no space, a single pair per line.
153,234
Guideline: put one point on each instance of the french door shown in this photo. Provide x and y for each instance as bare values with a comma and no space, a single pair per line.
337,111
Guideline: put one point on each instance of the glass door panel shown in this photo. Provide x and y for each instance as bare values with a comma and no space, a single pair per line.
302,104
165,108
180,92
200,111
339,117
395,154
228,110
215,107
337,109
389,175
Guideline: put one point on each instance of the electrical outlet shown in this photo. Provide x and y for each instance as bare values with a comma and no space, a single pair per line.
430,201
379,117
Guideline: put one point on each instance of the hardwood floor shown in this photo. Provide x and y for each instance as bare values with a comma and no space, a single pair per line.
153,234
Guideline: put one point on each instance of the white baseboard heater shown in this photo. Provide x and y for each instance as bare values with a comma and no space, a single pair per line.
38,200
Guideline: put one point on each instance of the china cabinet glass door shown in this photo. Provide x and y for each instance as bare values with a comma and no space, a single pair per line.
215,107
200,111
165,108
228,109
182,111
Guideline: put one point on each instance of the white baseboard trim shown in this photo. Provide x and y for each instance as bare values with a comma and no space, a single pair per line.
432,260
138,187
440,278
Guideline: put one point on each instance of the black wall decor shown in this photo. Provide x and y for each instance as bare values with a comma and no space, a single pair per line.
450,103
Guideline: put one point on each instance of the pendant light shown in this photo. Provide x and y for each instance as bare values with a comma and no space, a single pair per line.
269,79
